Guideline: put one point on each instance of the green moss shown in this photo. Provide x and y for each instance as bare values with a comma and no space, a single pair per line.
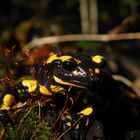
27,126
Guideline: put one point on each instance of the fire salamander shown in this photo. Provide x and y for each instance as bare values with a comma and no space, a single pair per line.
57,76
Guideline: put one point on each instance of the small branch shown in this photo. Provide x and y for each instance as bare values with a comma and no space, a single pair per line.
125,24
2,134
130,64
127,83
80,37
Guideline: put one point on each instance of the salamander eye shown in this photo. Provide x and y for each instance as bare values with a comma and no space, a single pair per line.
69,65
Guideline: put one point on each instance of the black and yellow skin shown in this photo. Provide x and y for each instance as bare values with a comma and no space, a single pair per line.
69,70
58,75
61,71
82,80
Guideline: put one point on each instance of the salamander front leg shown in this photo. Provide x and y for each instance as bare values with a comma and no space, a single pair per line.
74,124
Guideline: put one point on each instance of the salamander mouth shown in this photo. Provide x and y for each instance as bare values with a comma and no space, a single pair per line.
82,83
74,83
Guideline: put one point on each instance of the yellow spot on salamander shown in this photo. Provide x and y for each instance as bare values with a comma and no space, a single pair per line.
97,71
8,100
44,90
77,60
77,126
50,59
55,57
87,111
19,91
68,117
68,124
75,72
65,57
31,84
58,80
57,89
97,58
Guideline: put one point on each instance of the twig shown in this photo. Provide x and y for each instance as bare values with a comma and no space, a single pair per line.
81,37
69,128
2,134
35,131
64,108
125,24
130,64
127,83
25,116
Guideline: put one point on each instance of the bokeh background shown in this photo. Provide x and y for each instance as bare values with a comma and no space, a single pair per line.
24,21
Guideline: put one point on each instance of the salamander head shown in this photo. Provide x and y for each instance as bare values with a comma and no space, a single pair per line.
71,69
